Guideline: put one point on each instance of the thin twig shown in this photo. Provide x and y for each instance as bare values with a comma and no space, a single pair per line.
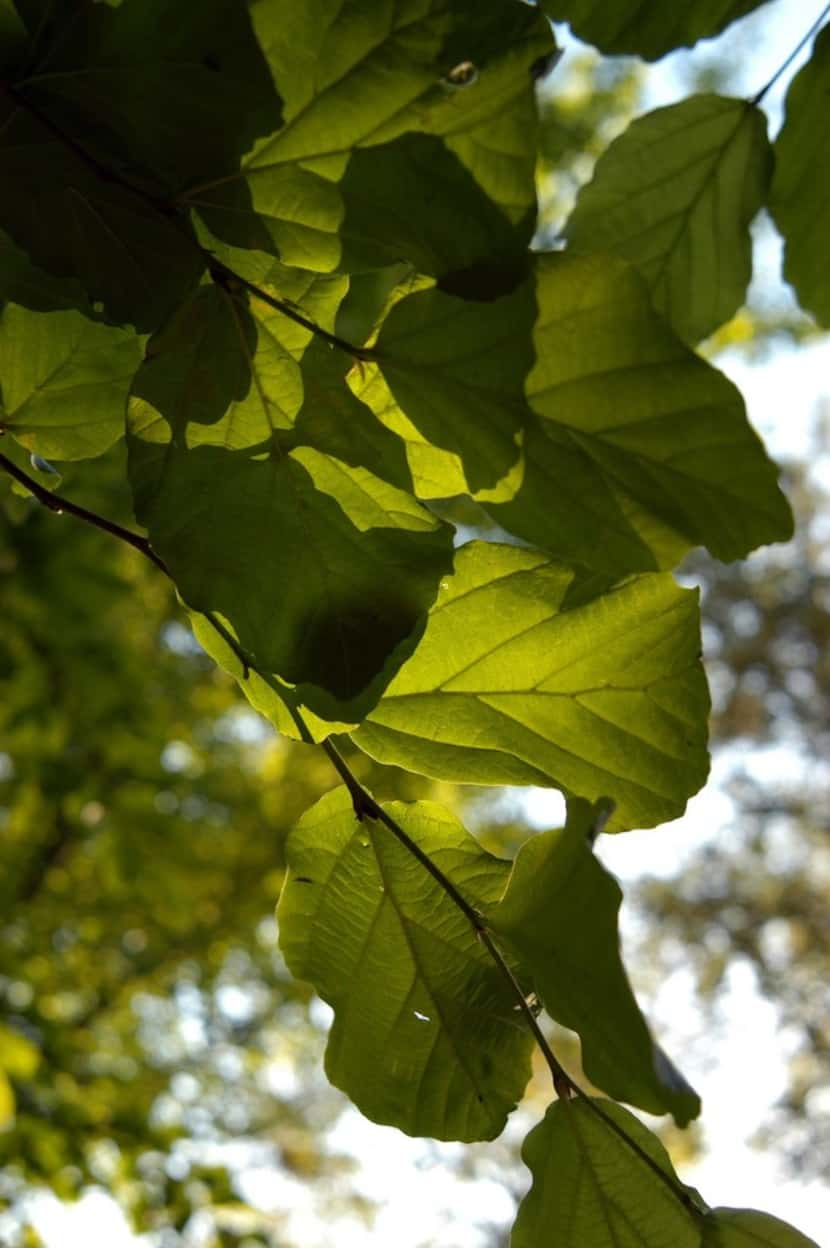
224,274
816,26
58,504
102,171
365,807
677,1189
562,1082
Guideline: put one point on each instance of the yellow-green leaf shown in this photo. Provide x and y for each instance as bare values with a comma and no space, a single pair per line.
749,1228
655,422
800,200
322,570
675,195
425,1035
518,680
64,381
559,912
592,1190
359,78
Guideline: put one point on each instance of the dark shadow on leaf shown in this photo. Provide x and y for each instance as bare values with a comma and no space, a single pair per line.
414,200
334,421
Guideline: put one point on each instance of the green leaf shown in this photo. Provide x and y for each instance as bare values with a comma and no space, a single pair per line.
675,195
655,422
332,420
566,506
649,449
747,1228
64,381
24,283
592,1190
514,684
267,694
163,93
456,228
476,356
425,1035
323,571
559,912
361,79
647,30
138,263
800,201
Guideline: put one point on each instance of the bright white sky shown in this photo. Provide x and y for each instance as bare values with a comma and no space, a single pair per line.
410,1178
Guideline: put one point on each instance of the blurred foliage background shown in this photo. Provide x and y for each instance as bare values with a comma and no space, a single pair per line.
151,1043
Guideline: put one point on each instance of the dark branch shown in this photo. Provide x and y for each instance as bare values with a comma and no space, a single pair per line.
169,209
227,278
816,26
58,504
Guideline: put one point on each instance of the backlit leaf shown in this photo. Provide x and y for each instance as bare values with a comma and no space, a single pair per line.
64,381
647,30
359,78
591,1190
425,1034
675,195
559,912
477,355
800,199
748,1228
512,685
655,421
649,450
267,694
456,228
323,571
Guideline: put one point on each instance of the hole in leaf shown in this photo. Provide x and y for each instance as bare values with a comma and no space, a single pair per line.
464,74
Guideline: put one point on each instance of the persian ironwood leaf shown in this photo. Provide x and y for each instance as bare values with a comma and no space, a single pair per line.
647,30
474,357
358,78
161,91
649,448
519,679
653,421
592,1190
559,912
425,1034
800,199
64,381
749,1228
675,195
323,570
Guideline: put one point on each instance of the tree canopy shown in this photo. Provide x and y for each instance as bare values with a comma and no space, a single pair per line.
274,290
